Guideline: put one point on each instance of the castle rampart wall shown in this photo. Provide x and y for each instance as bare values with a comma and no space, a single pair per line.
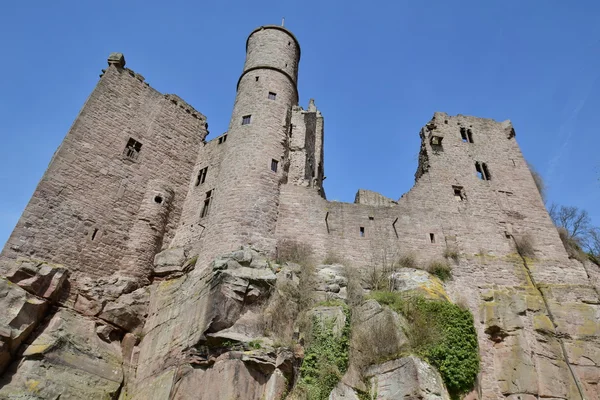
81,212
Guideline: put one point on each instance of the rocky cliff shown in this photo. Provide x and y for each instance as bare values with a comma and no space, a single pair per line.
250,327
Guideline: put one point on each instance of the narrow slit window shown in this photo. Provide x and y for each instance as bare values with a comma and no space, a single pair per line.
95,233
274,164
246,119
466,135
206,206
132,149
361,231
432,238
482,171
256,79
201,176
272,96
459,193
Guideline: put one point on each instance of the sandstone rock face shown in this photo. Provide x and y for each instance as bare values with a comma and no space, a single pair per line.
406,378
207,325
39,278
21,313
67,361
128,312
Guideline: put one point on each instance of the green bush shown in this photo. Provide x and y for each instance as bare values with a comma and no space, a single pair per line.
440,269
442,333
325,359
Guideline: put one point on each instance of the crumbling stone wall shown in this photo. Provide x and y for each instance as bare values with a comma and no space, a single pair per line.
87,201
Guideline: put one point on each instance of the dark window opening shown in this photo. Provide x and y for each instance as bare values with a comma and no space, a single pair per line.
362,231
459,193
432,238
94,233
289,43
286,65
274,164
257,79
466,135
446,121
371,218
246,119
132,149
206,207
482,171
223,139
201,176
272,96
158,199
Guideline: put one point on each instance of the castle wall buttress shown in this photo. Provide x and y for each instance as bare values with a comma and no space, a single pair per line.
85,205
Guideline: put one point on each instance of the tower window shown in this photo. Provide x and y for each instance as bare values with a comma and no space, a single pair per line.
459,193
132,149
257,79
482,171
223,139
432,238
246,119
201,176
466,135
94,233
206,207
361,231
272,96
274,164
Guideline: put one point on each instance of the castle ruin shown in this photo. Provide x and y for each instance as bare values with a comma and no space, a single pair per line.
135,177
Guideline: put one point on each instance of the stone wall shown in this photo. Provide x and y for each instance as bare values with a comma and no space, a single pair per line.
88,200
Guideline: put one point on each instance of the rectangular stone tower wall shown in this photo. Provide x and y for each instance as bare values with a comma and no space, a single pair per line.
87,201
202,189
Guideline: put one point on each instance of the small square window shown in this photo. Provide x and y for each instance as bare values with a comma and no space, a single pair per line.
272,96
274,164
361,231
246,119
459,193
222,139
436,140
132,149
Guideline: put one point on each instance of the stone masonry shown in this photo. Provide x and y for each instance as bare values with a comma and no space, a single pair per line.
135,176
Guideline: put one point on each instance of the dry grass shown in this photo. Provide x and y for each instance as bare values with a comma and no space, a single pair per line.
373,343
333,258
378,276
524,244
451,254
289,303
293,251
355,292
571,246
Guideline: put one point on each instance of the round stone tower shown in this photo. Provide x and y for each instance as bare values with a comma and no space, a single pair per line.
246,196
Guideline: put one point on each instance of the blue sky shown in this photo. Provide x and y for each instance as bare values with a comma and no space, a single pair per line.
377,71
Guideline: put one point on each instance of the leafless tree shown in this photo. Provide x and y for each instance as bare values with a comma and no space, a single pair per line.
593,243
577,222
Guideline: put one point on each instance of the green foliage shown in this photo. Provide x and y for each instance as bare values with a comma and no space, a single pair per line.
440,269
441,332
325,360
255,344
